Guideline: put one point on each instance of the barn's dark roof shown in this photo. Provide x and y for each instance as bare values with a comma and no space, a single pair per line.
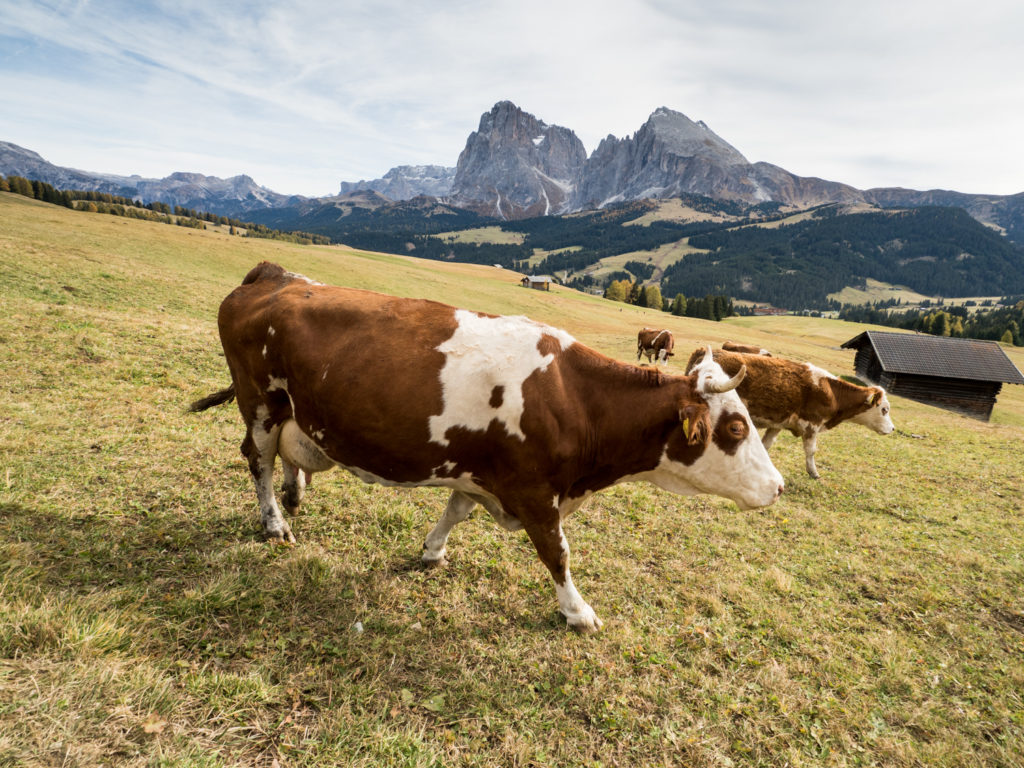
926,355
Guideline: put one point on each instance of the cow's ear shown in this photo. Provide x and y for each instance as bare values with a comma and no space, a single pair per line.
873,397
696,423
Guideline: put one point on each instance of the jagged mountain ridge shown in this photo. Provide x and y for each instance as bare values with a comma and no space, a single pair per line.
517,166
235,196
404,182
500,174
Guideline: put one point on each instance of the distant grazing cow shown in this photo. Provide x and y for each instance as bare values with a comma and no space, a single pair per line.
656,343
783,394
508,413
747,349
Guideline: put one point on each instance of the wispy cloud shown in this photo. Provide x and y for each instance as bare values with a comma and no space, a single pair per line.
302,94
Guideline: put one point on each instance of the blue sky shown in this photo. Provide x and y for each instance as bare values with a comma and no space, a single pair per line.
304,94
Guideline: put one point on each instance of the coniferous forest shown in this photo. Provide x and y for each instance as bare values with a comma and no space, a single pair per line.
938,251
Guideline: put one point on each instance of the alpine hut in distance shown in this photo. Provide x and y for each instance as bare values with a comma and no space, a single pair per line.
961,375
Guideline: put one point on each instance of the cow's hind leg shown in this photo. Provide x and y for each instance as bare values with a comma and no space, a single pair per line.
435,545
769,437
810,447
293,488
553,549
260,449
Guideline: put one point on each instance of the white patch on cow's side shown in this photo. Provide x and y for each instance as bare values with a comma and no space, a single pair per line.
270,331
276,384
327,367
483,355
264,350
319,434
817,374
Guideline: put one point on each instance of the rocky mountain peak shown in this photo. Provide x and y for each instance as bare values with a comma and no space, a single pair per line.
515,165
682,136
404,182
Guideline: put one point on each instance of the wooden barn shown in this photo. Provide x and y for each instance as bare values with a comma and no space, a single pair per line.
538,282
961,375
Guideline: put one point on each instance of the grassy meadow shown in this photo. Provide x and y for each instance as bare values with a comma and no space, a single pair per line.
872,618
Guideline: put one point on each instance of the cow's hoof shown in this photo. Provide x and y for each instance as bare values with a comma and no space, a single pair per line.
441,562
283,536
586,622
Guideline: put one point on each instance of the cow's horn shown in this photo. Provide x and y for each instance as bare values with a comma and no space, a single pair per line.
730,384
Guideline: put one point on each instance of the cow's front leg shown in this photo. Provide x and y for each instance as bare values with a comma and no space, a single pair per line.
769,437
810,446
435,545
553,549
259,447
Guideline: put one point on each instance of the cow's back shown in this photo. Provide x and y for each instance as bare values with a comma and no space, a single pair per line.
396,387
778,392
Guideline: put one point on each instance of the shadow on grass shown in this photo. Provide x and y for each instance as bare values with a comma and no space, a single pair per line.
211,589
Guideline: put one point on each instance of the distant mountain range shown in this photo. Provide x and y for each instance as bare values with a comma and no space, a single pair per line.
228,197
516,166
526,176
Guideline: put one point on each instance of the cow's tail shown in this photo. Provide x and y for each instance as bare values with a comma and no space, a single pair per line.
217,398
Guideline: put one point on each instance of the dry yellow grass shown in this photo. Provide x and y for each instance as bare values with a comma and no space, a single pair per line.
874,617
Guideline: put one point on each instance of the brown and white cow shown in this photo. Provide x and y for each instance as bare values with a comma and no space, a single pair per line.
656,343
747,349
801,397
508,413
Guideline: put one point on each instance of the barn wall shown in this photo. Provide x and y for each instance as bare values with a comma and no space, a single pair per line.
969,398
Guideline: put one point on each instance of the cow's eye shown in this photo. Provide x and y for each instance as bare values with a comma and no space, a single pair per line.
885,411
738,429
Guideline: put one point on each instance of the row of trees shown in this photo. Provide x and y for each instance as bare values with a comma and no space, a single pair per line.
711,307
1004,323
92,201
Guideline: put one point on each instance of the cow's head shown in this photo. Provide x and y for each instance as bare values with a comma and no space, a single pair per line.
876,415
717,449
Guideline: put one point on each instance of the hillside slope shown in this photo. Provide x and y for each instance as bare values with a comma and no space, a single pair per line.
870,618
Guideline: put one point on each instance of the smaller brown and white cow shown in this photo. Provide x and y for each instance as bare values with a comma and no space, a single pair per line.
656,343
801,397
747,349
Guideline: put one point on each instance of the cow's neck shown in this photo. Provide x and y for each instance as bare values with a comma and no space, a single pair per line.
851,400
630,412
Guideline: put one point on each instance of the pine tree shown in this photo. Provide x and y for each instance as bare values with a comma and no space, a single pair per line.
679,305
652,297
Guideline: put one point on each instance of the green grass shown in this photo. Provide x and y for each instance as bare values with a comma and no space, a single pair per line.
874,617
484,235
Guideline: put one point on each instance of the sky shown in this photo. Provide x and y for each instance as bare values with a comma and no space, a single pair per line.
304,94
